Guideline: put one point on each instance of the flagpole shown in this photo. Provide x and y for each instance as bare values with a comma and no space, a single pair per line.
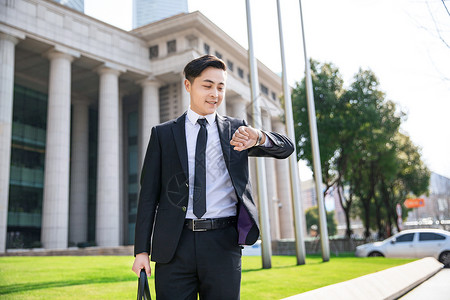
295,181
266,244
315,150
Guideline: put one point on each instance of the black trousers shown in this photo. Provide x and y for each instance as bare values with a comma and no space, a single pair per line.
206,263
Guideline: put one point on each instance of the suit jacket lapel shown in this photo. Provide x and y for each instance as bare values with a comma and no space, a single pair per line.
179,135
223,125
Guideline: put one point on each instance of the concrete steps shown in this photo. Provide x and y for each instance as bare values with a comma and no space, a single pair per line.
391,283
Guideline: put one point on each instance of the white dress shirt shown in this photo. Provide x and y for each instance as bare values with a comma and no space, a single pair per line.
221,197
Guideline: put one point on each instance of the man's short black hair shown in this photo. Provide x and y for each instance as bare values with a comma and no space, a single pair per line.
195,67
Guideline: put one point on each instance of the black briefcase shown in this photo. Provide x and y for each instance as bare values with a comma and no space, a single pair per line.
143,292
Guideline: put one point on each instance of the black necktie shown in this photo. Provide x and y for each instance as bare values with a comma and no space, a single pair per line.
200,170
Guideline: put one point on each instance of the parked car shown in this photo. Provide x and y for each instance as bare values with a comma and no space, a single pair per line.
414,243
253,250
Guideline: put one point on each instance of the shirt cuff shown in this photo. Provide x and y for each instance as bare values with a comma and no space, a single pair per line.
267,143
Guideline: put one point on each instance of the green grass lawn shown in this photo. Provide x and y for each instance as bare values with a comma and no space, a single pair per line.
110,277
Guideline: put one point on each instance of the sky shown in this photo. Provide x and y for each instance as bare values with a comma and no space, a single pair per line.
406,43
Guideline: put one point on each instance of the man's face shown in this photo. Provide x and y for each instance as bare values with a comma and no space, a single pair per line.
207,90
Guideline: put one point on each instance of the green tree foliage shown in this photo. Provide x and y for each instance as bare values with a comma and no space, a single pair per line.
361,149
375,122
312,220
334,125
328,87
407,176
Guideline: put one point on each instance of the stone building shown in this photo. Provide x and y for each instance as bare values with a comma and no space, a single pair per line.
78,98
436,211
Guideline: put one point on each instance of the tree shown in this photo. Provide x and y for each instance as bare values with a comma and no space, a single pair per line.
361,149
332,124
410,177
374,123
327,83
312,220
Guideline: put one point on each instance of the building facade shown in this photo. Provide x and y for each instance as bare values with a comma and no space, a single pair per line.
149,11
436,211
78,99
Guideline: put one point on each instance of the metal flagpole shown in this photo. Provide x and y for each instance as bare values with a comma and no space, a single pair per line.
315,150
295,181
266,244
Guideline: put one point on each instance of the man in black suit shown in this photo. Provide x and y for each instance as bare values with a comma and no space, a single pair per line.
195,205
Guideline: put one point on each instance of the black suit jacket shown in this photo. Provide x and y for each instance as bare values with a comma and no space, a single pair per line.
164,193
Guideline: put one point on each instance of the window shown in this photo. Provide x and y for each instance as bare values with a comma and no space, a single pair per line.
241,72
230,65
264,89
132,163
172,46
26,167
206,48
430,236
192,41
274,97
154,51
219,55
405,238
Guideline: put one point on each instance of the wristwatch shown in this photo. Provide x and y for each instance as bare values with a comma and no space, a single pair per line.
258,141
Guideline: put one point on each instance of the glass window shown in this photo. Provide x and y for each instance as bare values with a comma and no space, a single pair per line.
274,97
264,89
206,48
27,168
172,46
241,73
408,237
133,166
430,236
219,55
154,51
92,184
230,65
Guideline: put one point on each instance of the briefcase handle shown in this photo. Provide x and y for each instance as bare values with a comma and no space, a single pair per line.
143,292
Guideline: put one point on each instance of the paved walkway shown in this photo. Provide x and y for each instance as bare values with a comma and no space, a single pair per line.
436,287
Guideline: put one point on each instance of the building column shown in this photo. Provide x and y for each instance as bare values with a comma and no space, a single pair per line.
79,173
222,109
284,191
107,230
55,206
272,194
148,114
239,108
7,52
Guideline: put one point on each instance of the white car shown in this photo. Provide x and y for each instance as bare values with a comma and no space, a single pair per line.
253,250
414,243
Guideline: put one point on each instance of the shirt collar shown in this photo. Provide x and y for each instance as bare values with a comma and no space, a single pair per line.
193,117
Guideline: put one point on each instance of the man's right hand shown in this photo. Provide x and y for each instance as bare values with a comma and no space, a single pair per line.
141,261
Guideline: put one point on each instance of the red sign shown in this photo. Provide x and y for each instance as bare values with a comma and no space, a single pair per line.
412,203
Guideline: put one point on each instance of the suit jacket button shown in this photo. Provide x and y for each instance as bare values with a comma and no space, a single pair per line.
184,208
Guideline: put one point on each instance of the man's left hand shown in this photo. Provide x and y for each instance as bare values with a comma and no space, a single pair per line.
245,137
